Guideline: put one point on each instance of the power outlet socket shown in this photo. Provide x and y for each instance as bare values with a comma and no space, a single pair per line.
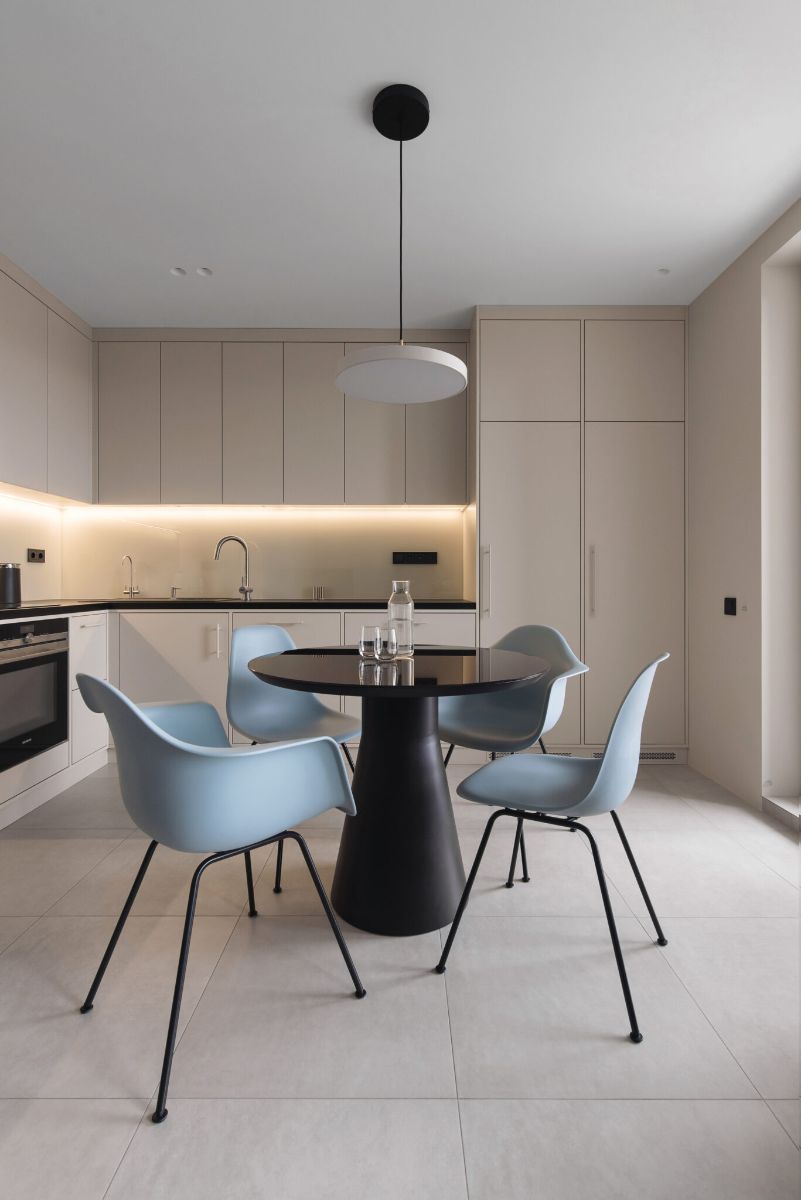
37,556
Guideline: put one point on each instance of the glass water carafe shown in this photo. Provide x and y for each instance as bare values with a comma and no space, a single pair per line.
401,615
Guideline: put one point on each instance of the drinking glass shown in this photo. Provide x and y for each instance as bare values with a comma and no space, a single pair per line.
386,644
370,641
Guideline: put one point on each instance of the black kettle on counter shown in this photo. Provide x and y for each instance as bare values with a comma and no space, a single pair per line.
10,585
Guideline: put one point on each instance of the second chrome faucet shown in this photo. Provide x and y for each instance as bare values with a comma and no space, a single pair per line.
245,590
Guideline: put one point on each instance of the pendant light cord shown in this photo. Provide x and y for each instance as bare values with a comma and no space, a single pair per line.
400,247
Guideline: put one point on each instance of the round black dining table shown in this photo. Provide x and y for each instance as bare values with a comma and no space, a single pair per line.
399,869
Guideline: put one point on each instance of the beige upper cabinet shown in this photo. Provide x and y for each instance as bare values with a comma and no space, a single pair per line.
530,370
436,445
634,370
530,538
69,410
253,422
375,449
314,424
129,436
23,387
191,423
634,596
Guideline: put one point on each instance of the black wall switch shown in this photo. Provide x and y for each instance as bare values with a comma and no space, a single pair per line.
417,558
730,606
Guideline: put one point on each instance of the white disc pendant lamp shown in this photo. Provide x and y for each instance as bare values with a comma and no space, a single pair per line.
401,374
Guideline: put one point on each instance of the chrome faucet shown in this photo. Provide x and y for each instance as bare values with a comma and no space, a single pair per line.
130,590
245,590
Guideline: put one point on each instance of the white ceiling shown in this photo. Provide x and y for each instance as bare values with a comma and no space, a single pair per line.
575,146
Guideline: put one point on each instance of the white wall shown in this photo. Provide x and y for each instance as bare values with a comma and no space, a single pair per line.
781,525
724,533
25,523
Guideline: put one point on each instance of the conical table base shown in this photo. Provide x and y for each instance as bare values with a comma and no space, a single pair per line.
399,870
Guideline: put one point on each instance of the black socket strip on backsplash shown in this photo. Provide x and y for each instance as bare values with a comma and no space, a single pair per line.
414,558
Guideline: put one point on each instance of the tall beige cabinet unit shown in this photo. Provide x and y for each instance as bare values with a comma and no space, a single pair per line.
581,500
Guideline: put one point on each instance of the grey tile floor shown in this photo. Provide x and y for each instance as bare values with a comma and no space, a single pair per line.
509,1077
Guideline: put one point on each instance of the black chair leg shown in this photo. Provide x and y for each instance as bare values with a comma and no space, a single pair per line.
346,752
279,862
172,1030
448,755
542,746
252,910
660,937
510,882
118,928
525,877
468,887
329,912
635,1034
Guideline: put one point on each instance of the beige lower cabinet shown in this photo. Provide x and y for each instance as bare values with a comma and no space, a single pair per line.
88,656
634,594
430,628
530,538
306,628
175,656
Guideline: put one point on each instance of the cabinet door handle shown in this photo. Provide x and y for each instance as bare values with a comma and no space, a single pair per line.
591,581
91,625
290,624
486,579
217,647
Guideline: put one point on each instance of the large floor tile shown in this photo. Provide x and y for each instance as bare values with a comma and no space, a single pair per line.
36,872
94,802
626,1150
68,1149
295,1150
744,975
102,892
703,874
563,882
49,1049
788,1112
11,928
279,1018
536,1010
778,848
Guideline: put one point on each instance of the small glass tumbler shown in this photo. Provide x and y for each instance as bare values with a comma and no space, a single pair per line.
370,641
386,644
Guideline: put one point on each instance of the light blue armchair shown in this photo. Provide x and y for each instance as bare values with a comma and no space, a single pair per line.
560,791
186,788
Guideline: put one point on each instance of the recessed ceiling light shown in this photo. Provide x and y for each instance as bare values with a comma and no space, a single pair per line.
205,271
177,271
663,270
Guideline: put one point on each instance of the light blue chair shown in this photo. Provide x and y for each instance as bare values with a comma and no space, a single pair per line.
266,713
509,721
186,788
560,791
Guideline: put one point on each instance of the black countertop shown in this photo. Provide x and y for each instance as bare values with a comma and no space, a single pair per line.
49,608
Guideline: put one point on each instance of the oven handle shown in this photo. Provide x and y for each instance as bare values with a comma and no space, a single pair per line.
30,653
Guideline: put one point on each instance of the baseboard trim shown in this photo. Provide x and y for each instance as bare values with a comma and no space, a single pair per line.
25,802
786,811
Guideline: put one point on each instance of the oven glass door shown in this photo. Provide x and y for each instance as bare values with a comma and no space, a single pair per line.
33,706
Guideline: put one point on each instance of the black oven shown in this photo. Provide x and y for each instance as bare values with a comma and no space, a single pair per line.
34,688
